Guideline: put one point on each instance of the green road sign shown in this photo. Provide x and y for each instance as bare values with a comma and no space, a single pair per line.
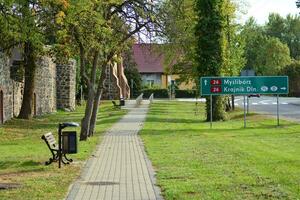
244,85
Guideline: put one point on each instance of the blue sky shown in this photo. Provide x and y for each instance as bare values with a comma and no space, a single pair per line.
260,9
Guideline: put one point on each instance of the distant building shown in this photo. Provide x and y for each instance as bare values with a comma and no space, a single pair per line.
150,64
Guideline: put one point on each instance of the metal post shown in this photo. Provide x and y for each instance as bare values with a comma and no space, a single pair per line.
247,105
278,110
13,99
211,111
59,145
245,125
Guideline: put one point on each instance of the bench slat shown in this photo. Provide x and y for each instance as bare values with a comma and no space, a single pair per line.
50,140
48,134
50,137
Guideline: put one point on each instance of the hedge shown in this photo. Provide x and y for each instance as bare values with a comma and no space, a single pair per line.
185,93
158,93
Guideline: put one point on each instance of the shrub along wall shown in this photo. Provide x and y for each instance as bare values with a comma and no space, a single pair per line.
185,93
158,93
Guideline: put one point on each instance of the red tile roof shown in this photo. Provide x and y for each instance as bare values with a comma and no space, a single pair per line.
147,58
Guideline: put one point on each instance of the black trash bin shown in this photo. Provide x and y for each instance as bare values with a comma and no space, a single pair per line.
69,142
122,102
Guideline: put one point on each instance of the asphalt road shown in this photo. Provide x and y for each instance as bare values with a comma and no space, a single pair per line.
289,107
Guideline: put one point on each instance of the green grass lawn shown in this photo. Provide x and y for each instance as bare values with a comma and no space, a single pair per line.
23,154
227,162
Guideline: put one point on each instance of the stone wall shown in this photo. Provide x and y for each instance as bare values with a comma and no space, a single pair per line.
66,86
45,86
17,97
6,87
55,87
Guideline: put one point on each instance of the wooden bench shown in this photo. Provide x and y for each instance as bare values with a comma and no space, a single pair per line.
116,105
54,149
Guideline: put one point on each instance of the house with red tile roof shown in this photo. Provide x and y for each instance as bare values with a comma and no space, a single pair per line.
151,65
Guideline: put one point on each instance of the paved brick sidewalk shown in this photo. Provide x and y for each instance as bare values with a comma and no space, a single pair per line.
119,169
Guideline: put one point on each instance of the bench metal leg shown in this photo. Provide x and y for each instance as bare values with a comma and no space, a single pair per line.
65,162
53,159
67,159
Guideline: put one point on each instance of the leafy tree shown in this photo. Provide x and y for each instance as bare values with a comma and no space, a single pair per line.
99,31
293,72
125,19
28,25
211,47
132,73
287,30
234,48
276,26
272,56
179,24
178,21
85,28
265,53
254,37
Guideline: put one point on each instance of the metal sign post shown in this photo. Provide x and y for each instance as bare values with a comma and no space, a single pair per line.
248,102
211,112
278,110
245,125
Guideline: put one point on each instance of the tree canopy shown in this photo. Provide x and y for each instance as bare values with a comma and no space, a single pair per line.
99,32
29,26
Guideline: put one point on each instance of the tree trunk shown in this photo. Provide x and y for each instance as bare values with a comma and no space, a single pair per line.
95,112
218,109
85,122
97,101
232,102
30,67
228,104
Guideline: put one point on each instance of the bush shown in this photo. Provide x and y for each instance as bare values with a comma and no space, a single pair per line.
158,93
293,72
185,93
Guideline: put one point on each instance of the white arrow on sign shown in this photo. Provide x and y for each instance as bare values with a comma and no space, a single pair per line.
205,82
283,88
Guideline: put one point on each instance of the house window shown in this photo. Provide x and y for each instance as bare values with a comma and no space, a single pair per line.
150,83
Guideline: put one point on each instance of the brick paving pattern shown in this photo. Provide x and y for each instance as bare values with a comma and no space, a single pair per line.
119,169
